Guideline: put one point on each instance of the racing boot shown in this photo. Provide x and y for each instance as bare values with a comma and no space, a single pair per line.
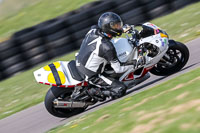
97,94
118,90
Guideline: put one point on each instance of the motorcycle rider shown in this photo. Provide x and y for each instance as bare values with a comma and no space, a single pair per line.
96,51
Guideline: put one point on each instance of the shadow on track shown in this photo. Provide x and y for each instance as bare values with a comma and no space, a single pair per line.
131,91
156,80
189,66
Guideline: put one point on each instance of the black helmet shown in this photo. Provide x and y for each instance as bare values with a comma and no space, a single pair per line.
111,23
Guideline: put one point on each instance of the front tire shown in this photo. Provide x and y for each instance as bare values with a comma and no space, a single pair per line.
52,94
173,61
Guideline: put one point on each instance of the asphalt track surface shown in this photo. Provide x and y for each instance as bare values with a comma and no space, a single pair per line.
37,120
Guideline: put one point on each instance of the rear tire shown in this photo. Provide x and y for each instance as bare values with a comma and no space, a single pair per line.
177,52
52,94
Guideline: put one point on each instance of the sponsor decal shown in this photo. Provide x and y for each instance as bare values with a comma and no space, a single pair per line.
165,40
122,54
163,43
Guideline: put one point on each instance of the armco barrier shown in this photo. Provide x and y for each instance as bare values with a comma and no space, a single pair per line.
33,45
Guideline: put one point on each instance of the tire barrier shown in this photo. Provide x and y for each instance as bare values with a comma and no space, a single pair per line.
87,14
55,36
1,76
32,44
6,45
63,34
82,25
159,11
26,35
125,7
20,66
60,50
37,59
9,53
117,2
130,16
68,14
53,27
89,5
177,4
11,61
35,51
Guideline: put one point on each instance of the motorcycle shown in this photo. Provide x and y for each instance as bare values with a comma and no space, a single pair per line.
68,95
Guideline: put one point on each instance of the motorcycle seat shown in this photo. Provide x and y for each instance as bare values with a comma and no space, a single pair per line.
74,71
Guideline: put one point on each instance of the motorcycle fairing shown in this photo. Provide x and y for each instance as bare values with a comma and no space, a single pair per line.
123,48
55,72
125,52
161,42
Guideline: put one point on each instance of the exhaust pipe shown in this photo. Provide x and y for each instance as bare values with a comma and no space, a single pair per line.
68,104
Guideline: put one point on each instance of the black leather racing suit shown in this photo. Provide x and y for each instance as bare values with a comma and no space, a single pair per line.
96,51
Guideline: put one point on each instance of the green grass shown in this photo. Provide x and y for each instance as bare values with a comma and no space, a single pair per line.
182,25
35,13
171,107
21,91
10,7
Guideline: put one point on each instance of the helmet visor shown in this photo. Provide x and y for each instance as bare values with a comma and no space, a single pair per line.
116,25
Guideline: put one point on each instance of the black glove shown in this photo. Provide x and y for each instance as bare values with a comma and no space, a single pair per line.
127,28
137,34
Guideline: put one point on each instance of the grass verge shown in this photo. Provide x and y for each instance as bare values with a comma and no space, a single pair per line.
35,13
21,91
182,25
171,107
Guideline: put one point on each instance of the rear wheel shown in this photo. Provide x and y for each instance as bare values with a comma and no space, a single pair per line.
174,60
54,93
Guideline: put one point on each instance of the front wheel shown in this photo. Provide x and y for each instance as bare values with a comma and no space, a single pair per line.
54,93
173,61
